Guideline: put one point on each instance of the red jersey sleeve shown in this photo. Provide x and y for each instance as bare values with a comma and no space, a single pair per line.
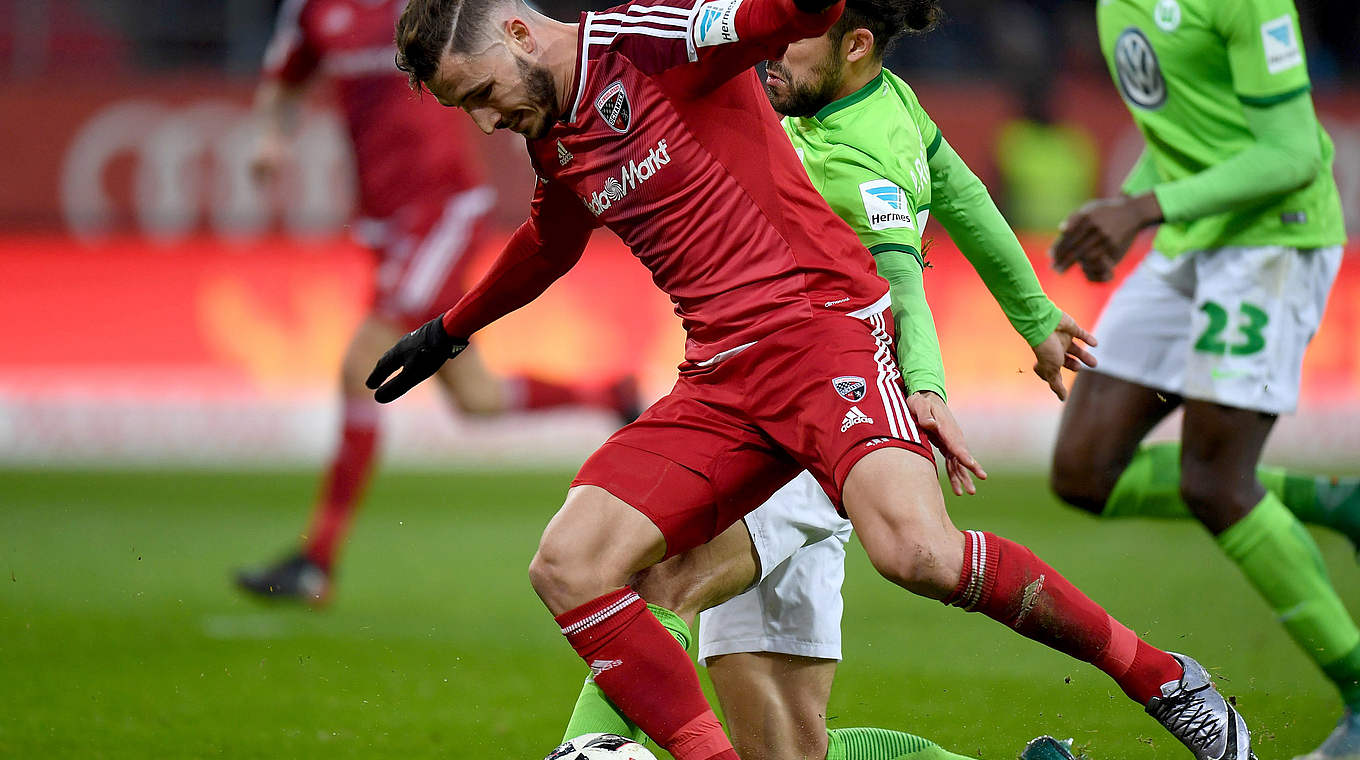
543,249
291,56
696,45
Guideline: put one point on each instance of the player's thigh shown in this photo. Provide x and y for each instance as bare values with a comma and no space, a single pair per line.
795,609
471,385
893,498
691,467
828,391
594,544
374,335
1256,309
1103,421
774,704
704,576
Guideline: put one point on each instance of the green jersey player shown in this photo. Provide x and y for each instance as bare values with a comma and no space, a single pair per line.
883,166
1237,172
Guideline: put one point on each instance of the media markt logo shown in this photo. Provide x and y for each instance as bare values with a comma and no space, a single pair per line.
885,205
631,175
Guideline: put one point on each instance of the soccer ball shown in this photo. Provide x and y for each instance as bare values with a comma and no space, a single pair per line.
600,747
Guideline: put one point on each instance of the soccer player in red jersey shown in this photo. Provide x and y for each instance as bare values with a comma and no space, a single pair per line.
649,119
421,209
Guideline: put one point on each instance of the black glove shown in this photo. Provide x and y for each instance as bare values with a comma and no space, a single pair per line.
419,354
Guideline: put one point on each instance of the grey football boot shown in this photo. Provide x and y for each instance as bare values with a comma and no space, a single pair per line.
1194,712
1343,744
1048,748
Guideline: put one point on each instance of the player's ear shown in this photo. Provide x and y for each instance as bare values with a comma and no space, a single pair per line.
517,29
857,45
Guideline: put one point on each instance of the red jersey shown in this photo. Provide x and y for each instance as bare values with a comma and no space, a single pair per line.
406,148
670,142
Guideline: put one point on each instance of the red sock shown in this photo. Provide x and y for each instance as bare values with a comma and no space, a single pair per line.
345,481
646,674
1006,582
533,393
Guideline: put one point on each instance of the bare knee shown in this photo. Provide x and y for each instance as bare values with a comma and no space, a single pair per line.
1080,477
927,563
1218,499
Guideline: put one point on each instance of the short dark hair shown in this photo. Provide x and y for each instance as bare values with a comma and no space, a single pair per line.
888,20
426,28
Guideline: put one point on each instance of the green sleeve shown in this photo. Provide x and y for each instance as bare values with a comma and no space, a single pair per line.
1265,49
961,203
881,208
1284,157
1142,177
918,347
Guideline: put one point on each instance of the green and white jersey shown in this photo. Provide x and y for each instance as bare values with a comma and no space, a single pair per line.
867,155
1185,68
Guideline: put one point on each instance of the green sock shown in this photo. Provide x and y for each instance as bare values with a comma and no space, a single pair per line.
1150,487
882,744
1277,555
595,714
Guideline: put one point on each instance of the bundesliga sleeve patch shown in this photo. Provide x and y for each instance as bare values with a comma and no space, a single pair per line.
1281,45
716,23
885,205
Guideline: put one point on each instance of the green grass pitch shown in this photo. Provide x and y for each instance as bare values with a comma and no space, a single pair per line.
121,638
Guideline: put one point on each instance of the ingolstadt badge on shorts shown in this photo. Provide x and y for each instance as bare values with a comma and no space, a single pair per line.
614,108
850,387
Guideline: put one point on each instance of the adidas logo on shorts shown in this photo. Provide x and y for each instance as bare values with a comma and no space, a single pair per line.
854,417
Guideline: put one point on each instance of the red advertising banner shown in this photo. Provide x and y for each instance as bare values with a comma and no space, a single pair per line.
123,346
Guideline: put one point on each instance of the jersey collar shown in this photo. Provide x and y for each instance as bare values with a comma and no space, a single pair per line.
849,100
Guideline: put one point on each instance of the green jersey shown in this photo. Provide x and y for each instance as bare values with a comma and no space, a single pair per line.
867,155
1185,68
880,162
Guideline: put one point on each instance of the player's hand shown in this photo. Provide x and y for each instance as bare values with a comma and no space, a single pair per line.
419,354
1060,349
933,417
1097,235
270,154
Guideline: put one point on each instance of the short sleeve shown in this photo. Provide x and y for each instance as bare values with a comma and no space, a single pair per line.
1265,50
930,133
875,204
291,56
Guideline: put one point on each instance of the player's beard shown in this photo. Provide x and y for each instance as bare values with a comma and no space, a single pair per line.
541,91
808,97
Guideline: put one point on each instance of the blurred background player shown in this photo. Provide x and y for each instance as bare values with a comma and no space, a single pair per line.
1238,173
422,206
769,588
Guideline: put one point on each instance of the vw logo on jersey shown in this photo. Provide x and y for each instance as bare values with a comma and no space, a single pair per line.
614,108
1140,76
850,387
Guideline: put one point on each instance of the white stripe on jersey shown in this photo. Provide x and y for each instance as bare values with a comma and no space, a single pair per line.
582,73
287,34
645,18
617,30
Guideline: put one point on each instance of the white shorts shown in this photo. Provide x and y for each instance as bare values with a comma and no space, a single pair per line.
796,606
1228,326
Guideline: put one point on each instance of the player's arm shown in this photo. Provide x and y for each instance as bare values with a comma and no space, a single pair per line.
290,63
728,37
543,249
963,206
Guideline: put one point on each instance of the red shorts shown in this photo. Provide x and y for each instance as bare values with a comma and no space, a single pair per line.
815,396
424,251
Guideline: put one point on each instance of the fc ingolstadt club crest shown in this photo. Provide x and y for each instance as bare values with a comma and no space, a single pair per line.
850,387
614,108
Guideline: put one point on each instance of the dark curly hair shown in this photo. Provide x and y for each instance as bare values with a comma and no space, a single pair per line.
888,20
